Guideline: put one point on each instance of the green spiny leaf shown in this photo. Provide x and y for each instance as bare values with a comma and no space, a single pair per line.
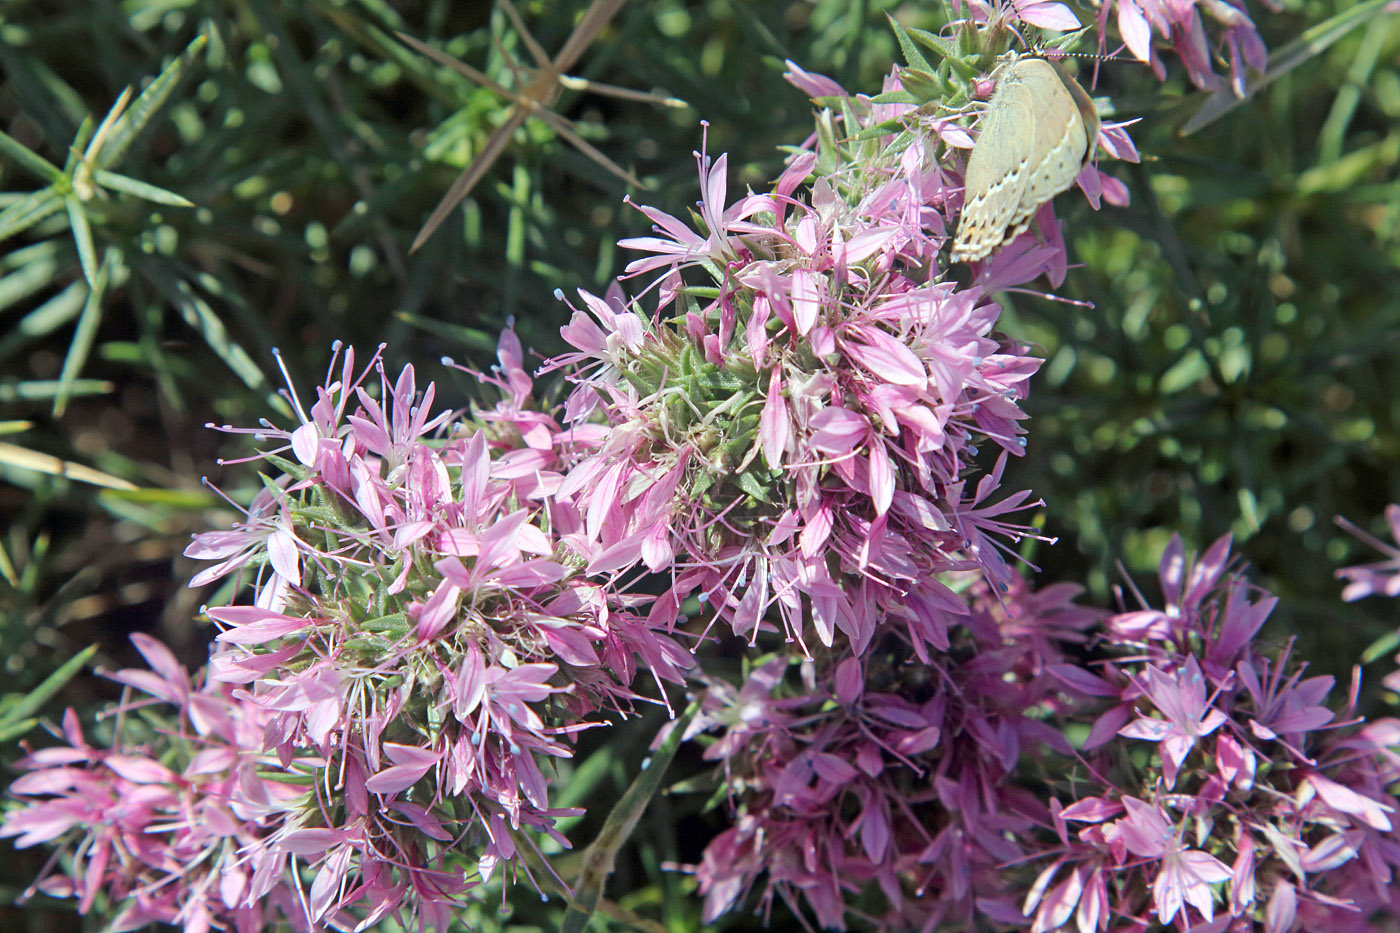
897,97
598,858
53,314
131,123
140,189
37,390
82,237
75,151
85,333
936,43
94,145
753,486
199,315
33,701
28,211
29,159
912,55
36,267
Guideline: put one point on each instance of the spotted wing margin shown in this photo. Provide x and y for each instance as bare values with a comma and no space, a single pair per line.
1060,144
1050,122
997,170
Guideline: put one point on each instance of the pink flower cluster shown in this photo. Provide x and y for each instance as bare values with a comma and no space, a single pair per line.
1382,577
797,436
797,429
1210,786
1255,794
1202,33
867,778
183,841
1182,24
414,654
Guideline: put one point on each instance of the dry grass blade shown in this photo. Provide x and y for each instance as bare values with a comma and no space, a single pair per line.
461,67
532,100
588,149
621,93
25,459
467,180
598,15
536,50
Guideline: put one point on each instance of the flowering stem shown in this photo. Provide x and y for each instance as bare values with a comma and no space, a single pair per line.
598,858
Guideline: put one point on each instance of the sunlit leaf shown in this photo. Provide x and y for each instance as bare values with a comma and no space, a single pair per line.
28,211
82,237
600,855
36,268
23,458
32,702
38,390
199,315
106,127
140,189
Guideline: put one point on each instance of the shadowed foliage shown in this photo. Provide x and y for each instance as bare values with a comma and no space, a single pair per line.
185,186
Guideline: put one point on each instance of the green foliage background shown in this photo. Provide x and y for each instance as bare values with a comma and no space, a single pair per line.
1235,373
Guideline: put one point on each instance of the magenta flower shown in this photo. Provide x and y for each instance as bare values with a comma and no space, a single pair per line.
1258,805
176,840
825,404
876,780
1188,716
798,427
1382,577
437,643
263,541
1182,24
1186,25
682,247
1185,874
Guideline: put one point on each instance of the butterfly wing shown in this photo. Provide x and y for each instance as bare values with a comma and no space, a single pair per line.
997,170
1035,139
1060,142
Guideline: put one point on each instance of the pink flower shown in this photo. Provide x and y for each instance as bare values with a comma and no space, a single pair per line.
877,775
824,404
683,247
1180,696
1185,874
1296,803
171,831
1182,24
1382,577
437,647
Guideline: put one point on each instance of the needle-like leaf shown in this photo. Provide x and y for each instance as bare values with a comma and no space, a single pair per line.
82,237
28,211
86,331
22,154
533,100
17,717
140,189
25,459
1311,43
117,138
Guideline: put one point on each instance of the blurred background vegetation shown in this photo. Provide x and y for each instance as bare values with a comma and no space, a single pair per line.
1235,372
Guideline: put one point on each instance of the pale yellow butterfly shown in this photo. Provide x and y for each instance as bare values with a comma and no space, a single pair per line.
1037,134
